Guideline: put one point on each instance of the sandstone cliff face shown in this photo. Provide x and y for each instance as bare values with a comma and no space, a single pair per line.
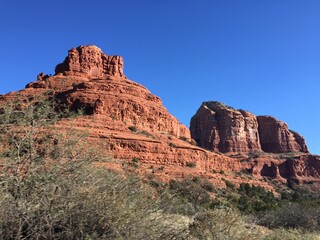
298,167
125,101
276,137
81,65
94,82
220,128
90,61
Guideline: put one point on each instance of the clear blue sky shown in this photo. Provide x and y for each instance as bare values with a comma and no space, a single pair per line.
258,55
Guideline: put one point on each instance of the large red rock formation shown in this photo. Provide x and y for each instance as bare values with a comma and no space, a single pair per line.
122,115
276,137
130,122
221,128
94,82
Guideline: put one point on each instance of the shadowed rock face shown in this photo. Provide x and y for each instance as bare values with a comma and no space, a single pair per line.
218,127
277,138
221,128
301,167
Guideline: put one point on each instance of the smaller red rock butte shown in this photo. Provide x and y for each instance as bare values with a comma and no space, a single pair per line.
221,128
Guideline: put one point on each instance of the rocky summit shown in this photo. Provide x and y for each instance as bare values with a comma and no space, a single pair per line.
91,61
131,123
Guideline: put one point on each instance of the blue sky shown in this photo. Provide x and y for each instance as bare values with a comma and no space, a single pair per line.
258,55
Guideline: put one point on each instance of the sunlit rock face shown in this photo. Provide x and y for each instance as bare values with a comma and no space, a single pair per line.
90,61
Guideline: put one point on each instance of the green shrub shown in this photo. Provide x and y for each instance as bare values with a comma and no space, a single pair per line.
133,128
161,168
191,164
135,162
205,184
173,145
255,199
229,184
190,191
147,134
183,139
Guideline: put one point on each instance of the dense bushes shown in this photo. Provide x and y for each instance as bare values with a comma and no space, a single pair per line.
255,199
192,191
293,215
221,224
73,207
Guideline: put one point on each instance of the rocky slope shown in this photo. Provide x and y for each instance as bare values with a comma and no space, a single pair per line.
131,123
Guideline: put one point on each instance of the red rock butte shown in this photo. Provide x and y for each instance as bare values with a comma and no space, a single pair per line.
132,123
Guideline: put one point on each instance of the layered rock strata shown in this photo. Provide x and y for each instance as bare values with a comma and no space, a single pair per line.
276,137
302,168
218,127
91,61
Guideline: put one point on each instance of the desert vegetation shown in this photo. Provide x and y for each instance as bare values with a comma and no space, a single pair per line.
52,188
